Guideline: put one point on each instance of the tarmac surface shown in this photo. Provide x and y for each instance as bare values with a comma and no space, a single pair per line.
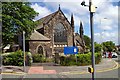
50,68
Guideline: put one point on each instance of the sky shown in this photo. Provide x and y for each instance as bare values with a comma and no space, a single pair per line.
105,17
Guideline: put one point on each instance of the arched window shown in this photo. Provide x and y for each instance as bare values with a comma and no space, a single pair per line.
40,50
60,33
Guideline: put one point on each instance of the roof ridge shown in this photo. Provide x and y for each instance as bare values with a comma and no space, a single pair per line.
47,16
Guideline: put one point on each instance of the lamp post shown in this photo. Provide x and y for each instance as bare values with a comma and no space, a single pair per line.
92,10
102,35
24,50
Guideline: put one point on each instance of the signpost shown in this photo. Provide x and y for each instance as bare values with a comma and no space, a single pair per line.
70,50
24,49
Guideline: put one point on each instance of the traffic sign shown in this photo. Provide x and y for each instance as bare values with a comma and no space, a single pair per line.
70,50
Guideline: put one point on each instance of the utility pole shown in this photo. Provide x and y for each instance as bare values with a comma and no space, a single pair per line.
92,10
24,50
92,39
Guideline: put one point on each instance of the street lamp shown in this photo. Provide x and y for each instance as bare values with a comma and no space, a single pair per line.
102,34
102,19
92,10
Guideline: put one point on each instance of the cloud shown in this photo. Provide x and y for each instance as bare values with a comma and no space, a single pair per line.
107,10
105,27
43,11
106,36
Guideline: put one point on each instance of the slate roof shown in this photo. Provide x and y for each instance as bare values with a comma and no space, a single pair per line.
45,20
38,36
78,39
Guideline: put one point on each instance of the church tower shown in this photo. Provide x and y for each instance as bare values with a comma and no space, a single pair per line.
82,35
81,31
72,25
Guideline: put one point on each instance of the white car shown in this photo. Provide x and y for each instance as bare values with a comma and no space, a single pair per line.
114,55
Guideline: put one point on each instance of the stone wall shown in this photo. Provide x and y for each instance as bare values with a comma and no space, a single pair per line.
33,47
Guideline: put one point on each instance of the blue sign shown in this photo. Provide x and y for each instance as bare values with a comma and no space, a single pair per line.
70,50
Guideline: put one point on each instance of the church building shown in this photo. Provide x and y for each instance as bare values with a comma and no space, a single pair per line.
53,33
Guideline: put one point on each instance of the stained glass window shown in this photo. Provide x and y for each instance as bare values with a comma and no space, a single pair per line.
60,33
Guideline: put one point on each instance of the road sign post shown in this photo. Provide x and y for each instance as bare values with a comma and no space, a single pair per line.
24,49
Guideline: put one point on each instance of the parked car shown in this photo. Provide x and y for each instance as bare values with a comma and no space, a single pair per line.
114,55
118,52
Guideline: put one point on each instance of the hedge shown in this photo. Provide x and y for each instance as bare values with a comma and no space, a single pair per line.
39,58
82,59
16,58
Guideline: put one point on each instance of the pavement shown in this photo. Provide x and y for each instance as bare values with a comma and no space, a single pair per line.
105,65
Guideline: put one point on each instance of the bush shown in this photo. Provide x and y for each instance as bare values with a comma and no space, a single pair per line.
49,60
98,58
29,58
68,61
16,58
82,59
38,58
41,58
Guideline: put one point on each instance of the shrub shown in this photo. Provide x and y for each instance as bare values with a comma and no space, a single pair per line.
16,58
98,58
38,58
82,59
41,58
49,59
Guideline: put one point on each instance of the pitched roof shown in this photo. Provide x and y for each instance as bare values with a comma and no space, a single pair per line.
45,20
78,39
37,36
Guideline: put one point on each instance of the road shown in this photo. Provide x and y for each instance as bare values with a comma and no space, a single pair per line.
110,75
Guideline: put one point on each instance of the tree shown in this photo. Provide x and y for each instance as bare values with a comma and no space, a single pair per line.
97,47
108,46
87,41
16,18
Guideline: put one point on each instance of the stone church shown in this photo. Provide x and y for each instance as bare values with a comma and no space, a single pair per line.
53,33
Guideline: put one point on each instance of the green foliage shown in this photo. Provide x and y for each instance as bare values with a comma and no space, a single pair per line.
68,61
108,46
41,58
82,59
49,59
16,17
87,41
38,58
97,47
98,58
16,58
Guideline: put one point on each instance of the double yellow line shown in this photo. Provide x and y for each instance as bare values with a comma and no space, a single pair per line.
13,73
116,66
